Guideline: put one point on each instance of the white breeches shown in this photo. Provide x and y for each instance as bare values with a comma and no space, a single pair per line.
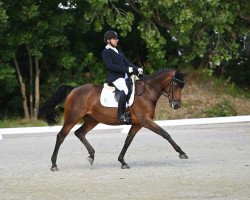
120,84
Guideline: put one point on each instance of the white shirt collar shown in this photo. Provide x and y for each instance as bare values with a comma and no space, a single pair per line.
110,47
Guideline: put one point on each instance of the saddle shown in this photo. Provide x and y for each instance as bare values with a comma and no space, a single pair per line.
110,95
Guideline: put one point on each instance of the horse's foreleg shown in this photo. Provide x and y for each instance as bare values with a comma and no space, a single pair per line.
160,131
59,140
89,123
131,134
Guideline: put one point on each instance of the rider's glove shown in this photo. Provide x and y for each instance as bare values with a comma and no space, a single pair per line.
140,73
130,70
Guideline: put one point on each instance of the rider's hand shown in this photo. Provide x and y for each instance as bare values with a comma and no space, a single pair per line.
140,71
130,70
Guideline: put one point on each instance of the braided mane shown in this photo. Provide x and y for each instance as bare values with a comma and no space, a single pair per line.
178,77
157,73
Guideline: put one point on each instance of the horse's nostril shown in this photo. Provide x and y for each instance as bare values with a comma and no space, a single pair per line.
177,106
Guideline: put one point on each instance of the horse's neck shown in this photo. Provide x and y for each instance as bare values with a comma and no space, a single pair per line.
158,82
152,88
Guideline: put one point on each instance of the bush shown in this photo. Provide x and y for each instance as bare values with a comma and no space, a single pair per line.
222,109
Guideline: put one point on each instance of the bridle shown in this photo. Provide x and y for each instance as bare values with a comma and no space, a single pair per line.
170,93
174,82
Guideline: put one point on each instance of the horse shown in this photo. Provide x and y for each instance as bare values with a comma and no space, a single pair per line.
83,102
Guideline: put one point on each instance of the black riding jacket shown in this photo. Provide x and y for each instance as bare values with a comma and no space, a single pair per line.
117,64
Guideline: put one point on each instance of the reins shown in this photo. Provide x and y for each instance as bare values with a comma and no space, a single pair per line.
151,85
166,94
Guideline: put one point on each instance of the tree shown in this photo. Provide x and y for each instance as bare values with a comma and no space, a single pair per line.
7,74
32,29
205,29
50,42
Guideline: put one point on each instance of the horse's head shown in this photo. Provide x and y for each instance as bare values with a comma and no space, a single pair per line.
168,83
174,90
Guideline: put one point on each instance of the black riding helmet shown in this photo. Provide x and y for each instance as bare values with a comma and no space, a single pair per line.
110,35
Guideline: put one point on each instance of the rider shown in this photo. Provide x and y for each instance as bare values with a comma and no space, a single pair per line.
119,69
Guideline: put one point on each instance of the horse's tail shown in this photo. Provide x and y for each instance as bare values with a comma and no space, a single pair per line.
48,111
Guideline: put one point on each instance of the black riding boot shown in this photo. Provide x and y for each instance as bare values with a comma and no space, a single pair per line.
122,116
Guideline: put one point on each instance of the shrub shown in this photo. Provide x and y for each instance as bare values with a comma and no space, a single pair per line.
222,109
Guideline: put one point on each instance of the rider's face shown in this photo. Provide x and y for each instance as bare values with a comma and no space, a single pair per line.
113,42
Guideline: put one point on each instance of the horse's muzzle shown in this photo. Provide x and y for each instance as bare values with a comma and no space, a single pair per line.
174,104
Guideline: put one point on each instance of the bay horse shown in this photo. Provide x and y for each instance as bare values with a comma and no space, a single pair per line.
83,102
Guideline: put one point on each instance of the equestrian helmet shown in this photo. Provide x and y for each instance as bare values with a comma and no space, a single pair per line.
110,35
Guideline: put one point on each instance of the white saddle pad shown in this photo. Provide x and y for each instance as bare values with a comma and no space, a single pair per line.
108,95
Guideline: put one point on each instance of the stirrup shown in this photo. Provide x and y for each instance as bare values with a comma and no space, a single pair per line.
125,118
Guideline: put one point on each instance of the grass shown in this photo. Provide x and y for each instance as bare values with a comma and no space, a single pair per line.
229,88
18,122
220,84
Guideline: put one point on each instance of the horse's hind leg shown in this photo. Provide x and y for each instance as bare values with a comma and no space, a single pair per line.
59,140
89,124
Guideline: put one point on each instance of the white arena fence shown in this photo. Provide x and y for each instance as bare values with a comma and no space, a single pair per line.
125,128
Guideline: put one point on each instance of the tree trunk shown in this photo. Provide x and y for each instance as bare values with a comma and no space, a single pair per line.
244,17
22,89
37,89
31,85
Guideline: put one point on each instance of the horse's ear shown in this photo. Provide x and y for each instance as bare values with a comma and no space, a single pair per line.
184,75
179,74
179,79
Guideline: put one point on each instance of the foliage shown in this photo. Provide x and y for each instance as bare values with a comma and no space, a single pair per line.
3,16
222,109
17,122
8,84
225,86
67,38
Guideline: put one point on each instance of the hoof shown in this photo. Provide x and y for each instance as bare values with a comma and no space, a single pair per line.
183,156
91,160
125,167
54,169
